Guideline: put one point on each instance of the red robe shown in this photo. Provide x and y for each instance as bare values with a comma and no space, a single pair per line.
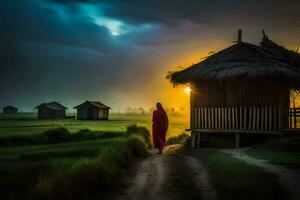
159,128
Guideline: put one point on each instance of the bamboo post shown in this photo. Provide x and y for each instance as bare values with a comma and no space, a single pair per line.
212,118
202,117
266,118
257,118
233,118
275,118
223,118
236,118
241,123
229,118
219,116
199,117
245,117
192,117
290,117
262,118
250,118
208,117
196,117
205,117
280,118
295,115
254,120
226,118
270,118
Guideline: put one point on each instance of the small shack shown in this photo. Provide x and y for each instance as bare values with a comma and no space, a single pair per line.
92,110
241,94
10,110
51,110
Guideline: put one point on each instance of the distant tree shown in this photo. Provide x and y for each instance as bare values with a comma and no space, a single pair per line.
141,110
128,110
172,110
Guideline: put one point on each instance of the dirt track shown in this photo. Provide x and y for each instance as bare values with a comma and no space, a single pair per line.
167,177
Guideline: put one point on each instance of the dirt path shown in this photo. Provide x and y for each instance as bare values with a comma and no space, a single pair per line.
169,177
289,179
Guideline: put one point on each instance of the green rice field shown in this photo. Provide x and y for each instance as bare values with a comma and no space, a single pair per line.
25,124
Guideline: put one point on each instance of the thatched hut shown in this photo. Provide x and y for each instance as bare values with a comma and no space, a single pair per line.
92,110
241,91
51,110
10,110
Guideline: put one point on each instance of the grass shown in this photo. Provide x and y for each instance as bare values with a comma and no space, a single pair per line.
69,158
87,169
276,156
284,151
180,139
235,179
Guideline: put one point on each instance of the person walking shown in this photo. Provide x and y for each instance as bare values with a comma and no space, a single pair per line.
160,125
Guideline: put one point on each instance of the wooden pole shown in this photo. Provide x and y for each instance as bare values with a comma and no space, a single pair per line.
295,118
239,36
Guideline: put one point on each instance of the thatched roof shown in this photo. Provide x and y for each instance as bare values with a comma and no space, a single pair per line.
281,53
240,60
52,105
10,107
93,103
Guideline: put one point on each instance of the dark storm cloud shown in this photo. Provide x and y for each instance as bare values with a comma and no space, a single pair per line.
200,11
31,21
210,17
71,50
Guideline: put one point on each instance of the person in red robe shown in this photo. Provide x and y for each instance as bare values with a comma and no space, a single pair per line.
160,124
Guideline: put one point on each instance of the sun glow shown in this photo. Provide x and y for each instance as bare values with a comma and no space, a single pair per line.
187,90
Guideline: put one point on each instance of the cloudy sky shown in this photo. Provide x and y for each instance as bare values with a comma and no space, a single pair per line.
120,51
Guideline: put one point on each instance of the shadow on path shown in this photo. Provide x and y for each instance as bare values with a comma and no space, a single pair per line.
169,176
289,179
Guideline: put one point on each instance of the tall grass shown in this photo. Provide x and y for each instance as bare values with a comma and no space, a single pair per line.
57,135
134,130
87,169
180,139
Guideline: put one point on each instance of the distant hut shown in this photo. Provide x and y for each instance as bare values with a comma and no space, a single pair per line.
10,110
92,110
241,92
52,110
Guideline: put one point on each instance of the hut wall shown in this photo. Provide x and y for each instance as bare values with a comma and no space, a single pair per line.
10,111
237,93
240,104
43,113
87,112
81,113
199,94
60,114
94,113
103,114
47,113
